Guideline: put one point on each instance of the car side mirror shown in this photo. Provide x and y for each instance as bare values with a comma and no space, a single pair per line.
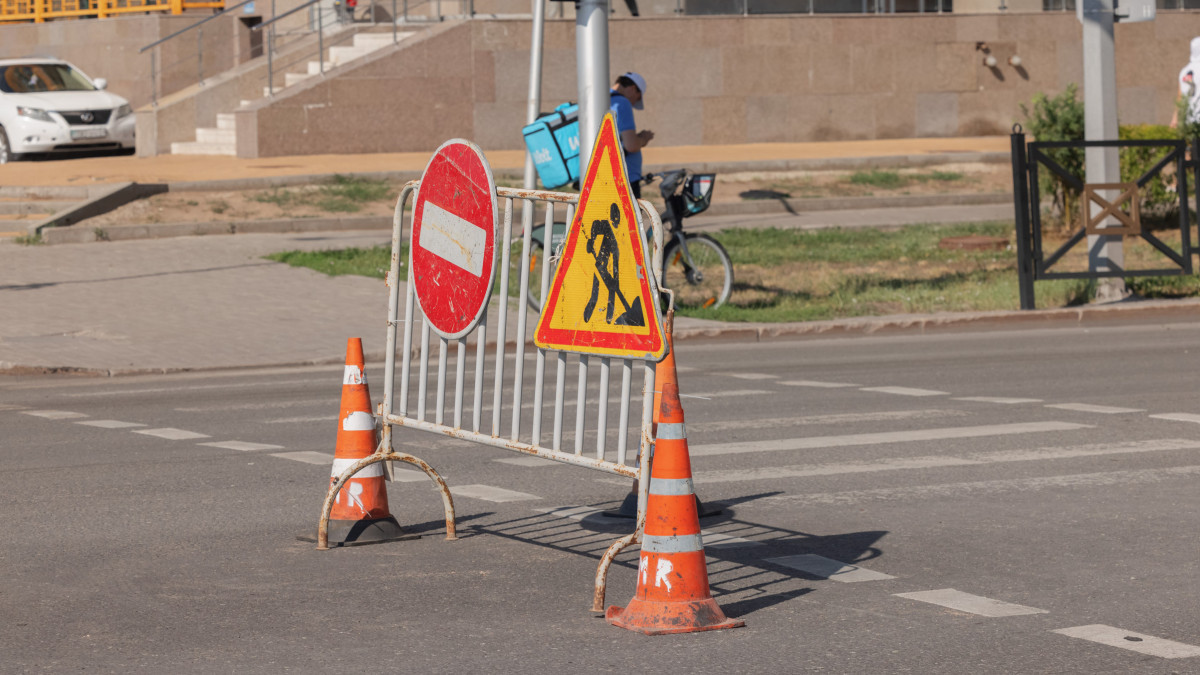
100,83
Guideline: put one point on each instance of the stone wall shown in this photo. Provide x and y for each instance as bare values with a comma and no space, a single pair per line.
717,80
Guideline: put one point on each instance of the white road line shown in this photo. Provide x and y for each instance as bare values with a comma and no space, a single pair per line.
328,401
53,414
827,568
841,418
998,399
1178,417
307,456
242,445
110,424
11,406
526,461
819,385
906,391
171,434
953,490
199,387
403,475
490,493
302,420
1087,407
752,376
974,604
941,461
725,394
881,438
718,540
1134,642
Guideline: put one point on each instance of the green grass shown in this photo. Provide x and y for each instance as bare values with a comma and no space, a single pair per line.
346,194
797,275
877,178
29,240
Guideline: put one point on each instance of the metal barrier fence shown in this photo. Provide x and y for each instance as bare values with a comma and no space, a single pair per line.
40,11
545,432
1119,201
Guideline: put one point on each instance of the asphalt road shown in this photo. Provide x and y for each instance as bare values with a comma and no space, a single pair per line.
987,502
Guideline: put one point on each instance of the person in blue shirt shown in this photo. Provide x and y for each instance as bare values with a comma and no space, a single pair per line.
626,95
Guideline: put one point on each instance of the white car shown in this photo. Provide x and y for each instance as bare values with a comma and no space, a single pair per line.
48,105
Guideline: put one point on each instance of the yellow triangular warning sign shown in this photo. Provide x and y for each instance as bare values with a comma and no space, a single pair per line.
601,300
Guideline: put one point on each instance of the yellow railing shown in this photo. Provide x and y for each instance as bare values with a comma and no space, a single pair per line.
39,11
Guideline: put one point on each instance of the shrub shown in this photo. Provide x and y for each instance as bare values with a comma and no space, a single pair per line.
1058,118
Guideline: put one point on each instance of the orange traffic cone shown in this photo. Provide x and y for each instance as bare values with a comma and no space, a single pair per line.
360,511
664,372
672,593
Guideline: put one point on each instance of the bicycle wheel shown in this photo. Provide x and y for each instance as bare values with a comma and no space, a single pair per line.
536,258
706,281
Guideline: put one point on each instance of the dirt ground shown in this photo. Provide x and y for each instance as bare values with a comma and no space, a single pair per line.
312,201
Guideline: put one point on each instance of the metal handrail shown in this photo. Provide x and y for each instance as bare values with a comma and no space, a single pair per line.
196,25
288,13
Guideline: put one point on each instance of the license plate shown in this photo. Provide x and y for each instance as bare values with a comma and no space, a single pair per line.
89,133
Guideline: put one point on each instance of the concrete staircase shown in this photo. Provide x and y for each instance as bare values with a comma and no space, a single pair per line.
222,140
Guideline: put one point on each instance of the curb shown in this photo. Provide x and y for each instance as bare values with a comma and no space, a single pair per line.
701,331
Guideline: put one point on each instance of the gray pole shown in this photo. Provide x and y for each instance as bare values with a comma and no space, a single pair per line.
591,63
535,81
1100,123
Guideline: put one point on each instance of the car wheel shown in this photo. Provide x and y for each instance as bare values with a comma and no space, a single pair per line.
6,153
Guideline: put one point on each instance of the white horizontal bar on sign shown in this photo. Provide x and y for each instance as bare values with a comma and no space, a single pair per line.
973,604
827,568
1136,642
884,437
463,249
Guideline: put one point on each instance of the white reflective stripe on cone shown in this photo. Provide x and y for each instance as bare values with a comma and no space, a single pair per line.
359,421
671,487
671,431
340,465
354,376
680,543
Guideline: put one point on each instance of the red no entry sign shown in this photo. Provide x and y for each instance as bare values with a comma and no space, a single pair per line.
454,236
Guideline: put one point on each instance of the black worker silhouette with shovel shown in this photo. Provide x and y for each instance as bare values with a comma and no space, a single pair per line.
602,244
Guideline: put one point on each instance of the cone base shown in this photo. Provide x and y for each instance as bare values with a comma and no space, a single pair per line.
662,618
367,531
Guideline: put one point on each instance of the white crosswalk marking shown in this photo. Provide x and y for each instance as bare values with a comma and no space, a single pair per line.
905,391
819,385
974,604
242,446
841,418
110,424
713,539
490,493
1178,417
53,414
326,402
942,461
726,393
880,438
753,376
307,456
1087,407
1005,400
302,420
1134,642
827,568
171,434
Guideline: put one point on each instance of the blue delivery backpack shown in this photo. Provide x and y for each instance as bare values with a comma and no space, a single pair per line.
553,141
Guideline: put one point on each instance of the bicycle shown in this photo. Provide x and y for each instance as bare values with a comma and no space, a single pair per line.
695,266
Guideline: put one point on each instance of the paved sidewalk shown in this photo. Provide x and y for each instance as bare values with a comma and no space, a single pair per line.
196,303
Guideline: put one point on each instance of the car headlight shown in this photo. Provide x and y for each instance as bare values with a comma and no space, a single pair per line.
124,111
34,114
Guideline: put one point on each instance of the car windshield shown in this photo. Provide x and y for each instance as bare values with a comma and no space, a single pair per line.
38,77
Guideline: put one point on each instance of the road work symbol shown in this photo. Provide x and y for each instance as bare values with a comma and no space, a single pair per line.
608,267
603,297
